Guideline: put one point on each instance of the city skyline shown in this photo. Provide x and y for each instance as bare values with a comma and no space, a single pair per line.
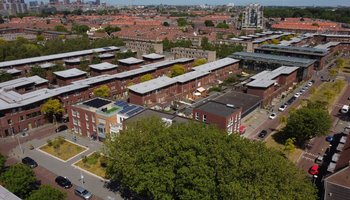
334,3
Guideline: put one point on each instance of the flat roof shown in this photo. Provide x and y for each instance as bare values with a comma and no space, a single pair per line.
247,102
103,66
269,58
147,113
13,71
106,55
216,64
326,45
47,65
72,60
70,73
97,102
151,85
217,108
35,80
190,76
130,61
291,49
266,78
153,56
55,56
7,195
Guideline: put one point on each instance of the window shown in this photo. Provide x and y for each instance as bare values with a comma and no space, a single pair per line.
86,117
87,126
21,118
204,118
74,113
78,114
93,119
9,121
196,116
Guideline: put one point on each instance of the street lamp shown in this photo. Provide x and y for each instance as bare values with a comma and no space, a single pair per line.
82,178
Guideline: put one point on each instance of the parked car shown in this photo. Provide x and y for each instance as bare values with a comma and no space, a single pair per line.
61,128
262,134
296,95
319,160
314,169
63,182
282,107
83,193
329,138
272,116
29,162
344,109
291,100
309,83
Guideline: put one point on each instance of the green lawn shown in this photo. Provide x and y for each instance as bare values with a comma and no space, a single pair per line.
95,163
328,92
61,148
294,156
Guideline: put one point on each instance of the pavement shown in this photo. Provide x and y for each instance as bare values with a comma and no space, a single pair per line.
49,166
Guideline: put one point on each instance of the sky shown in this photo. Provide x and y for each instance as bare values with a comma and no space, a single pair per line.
237,2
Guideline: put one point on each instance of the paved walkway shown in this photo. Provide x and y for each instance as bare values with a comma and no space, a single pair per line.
91,183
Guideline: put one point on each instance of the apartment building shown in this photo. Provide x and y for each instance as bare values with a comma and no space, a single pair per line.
253,16
143,47
180,52
100,118
189,85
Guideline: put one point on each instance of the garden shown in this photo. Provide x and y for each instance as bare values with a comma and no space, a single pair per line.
95,163
62,148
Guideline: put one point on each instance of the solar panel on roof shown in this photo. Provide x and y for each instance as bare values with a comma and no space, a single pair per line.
135,111
97,103
121,103
127,109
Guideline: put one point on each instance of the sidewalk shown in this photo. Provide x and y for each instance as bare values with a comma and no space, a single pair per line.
91,183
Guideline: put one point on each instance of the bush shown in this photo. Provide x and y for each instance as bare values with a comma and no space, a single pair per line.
49,143
84,159
103,161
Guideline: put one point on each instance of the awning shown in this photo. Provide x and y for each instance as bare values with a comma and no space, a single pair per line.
331,167
343,139
197,94
201,89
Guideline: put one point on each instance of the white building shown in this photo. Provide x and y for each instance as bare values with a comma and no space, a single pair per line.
253,16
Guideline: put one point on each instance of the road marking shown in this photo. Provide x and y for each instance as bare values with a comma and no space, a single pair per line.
311,154
307,158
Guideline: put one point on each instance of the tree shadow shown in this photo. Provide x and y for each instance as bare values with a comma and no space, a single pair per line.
126,193
280,137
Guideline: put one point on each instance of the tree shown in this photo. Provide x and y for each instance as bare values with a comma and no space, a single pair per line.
2,162
4,76
95,59
110,29
18,179
333,72
182,22
208,23
177,70
340,63
146,77
38,71
194,161
289,146
222,25
200,61
40,38
51,108
275,41
306,123
46,192
80,29
84,65
102,91
60,28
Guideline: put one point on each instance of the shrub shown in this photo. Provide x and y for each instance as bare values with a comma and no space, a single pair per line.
49,143
84,159
103,161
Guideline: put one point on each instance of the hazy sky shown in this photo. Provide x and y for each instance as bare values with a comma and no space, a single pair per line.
237,2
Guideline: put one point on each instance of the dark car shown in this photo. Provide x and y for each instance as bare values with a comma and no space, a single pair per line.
29,162
61,128
63,182
291,100
262,134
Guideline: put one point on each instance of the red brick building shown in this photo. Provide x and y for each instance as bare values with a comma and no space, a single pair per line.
270,84
103,68
226,117
68,76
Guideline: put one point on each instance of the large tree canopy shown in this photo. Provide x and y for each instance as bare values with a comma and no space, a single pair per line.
46,192
18,179
308,122
193,161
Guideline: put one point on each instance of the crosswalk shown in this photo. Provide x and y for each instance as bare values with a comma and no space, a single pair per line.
309,156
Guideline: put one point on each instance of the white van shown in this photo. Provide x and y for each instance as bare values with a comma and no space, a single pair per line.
345,109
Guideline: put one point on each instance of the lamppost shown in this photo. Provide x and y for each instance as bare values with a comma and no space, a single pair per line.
82,178
54,119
